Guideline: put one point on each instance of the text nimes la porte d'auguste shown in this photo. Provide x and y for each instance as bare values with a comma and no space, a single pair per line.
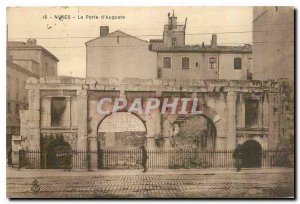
84,17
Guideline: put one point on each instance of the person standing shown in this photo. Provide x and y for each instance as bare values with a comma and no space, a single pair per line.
144,158
67,160
238,157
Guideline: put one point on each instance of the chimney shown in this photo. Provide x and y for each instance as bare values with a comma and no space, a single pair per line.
214,41
31,41
202,44
104,30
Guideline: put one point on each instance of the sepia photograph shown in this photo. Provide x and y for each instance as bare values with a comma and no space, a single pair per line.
150,102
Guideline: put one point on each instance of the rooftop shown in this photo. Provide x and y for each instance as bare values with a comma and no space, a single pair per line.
12,65
26,45
206,48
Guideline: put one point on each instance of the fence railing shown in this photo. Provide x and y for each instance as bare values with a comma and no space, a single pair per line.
157,159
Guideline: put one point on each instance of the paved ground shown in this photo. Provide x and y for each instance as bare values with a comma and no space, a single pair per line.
254,183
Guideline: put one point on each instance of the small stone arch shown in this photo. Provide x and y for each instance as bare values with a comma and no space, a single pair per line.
252,154
58,152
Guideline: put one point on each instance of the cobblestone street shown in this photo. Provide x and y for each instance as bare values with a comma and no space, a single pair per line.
155,184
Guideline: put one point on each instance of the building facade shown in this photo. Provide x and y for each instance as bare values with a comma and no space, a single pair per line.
119,55
273,42
16,98
33,57
177,60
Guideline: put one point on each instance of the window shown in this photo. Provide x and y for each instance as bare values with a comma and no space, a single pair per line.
58,107
212,63
275,111
251,106
173,41
185,63
167,62
197,64
237,63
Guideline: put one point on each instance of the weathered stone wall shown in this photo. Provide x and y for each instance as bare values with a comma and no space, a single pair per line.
222,100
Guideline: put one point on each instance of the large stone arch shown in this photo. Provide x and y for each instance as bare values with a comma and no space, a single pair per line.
169,125
140,119
121,130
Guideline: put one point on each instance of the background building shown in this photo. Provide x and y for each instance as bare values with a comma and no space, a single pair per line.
177,60
273,58
119,55
16,97
24,60
33,57
273,40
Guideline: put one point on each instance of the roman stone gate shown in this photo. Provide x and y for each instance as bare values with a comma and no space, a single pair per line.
231,112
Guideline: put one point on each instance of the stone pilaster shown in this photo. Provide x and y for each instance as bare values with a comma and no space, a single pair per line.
240,111
68,113
46,112
82,119
82,125
260,114
265,110
231,117
33,120
93,155
150,143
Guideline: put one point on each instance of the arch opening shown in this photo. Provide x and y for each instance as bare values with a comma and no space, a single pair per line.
197,132
58,153
121,130
252,154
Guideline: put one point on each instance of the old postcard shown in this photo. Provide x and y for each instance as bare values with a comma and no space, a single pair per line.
150,102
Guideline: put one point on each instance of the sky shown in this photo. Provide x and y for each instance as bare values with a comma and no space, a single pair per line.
65,38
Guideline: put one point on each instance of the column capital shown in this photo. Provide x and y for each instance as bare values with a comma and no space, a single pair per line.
231,95
81,93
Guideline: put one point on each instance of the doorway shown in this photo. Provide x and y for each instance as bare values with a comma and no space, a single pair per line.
252,154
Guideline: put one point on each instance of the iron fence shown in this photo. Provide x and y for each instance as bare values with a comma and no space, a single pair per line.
157,159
